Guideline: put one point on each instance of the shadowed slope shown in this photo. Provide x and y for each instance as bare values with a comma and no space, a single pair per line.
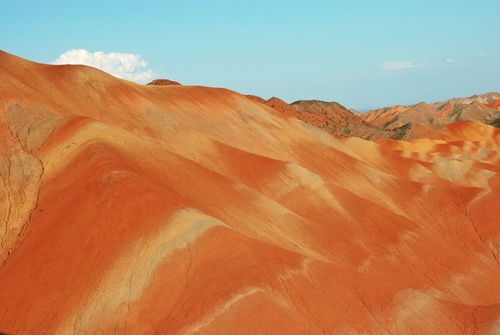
177,209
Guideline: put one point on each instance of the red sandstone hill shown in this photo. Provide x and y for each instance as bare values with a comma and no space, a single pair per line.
331,117
145,209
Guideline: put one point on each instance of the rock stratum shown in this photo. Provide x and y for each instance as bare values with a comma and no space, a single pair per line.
135,209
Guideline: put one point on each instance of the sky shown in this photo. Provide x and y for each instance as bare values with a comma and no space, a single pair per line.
363,54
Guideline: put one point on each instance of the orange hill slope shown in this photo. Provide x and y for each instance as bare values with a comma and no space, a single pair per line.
174,209
494,104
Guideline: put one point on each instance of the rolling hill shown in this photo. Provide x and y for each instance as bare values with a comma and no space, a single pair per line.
170,209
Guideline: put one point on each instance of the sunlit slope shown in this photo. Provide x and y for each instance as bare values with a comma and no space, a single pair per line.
175,209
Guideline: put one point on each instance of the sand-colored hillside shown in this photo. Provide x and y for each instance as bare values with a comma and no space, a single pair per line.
136,209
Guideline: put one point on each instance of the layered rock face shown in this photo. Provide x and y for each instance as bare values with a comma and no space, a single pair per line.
134,209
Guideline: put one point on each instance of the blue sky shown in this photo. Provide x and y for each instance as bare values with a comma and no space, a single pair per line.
360,53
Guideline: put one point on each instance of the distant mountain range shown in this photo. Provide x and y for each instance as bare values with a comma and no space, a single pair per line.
483,108
396,122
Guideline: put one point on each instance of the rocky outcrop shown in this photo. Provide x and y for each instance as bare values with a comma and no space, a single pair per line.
163,82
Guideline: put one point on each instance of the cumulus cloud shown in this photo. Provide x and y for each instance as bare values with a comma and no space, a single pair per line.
121,65
401,65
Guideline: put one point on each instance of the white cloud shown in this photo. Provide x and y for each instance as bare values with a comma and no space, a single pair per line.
465,59
121,65
402,65
479,56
